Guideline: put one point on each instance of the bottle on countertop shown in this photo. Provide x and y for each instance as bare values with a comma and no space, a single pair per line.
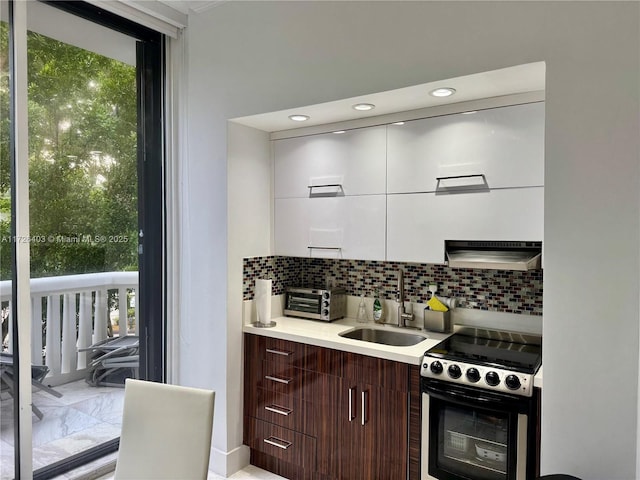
362,311
378,307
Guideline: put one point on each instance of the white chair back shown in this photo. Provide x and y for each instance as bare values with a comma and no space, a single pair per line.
166,432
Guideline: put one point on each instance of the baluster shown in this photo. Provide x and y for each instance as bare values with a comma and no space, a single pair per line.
137,301
53,345
100,324
36,330
122,309
10,331
69,361
84,328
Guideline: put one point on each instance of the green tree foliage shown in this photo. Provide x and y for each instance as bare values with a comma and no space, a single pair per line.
82,160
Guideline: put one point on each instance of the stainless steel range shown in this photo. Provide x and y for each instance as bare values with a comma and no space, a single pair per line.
479,407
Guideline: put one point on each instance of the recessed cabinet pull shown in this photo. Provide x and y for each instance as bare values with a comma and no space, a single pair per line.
286,381
453,177
279,352
351,415
278,409
364,407
278,442
325,185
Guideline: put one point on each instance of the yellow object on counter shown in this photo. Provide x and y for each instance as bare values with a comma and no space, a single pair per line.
436,305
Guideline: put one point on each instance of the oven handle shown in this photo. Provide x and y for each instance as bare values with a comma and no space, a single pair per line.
488,400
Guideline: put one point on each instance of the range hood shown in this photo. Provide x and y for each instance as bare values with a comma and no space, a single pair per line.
494,255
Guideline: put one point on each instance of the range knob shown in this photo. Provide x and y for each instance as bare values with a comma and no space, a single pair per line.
325,303
512,382
326,295
492,378
436,367
473,375
454,371
325,312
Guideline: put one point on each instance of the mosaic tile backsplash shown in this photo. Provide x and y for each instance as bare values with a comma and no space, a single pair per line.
494,290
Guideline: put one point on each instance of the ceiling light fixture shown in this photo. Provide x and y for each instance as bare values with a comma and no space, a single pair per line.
469,113
299,118
338,132
442,92
398,123
363,107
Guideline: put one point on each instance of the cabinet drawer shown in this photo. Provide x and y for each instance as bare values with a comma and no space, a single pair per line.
285,410
287,445
281,378
283,351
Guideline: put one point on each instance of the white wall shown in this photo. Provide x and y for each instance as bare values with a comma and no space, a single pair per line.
254,57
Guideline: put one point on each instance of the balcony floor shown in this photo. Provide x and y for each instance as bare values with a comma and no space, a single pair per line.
83,417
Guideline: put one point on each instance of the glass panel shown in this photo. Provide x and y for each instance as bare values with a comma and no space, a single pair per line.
83,224
7,373
473,443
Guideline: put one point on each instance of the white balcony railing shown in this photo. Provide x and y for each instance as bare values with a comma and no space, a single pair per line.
72,312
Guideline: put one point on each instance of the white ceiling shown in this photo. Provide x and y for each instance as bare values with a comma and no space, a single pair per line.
496,83
191,6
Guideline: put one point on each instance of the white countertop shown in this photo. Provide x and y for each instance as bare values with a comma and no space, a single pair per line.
325,334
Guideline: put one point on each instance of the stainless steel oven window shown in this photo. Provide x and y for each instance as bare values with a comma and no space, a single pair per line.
466,441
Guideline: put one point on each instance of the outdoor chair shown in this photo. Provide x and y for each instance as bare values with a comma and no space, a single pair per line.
38,372
166,432
112,361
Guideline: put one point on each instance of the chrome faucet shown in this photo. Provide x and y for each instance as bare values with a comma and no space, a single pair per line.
403,315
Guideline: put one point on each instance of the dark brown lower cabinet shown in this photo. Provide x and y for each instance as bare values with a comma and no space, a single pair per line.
327,415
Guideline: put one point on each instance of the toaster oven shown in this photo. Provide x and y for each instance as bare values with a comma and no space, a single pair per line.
315,303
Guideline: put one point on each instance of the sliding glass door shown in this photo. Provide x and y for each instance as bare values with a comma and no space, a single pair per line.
95,233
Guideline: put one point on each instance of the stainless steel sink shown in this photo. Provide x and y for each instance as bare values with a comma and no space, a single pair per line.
385,337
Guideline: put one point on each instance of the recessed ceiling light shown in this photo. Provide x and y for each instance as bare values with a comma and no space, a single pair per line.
469,113
398,123
338,132
299,118
363,107
442,92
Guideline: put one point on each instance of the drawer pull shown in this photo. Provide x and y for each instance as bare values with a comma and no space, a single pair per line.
364,408
279,352
454,177
278,442
278,409
286,381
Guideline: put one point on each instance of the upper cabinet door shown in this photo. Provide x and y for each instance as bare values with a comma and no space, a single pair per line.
495,148
352,163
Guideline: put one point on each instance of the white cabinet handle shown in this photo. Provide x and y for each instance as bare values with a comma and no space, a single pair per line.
351,415
325,185
278,442
278,409
286,381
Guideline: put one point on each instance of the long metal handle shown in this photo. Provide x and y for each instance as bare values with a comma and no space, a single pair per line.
325,248
364,407
481,175
279,352
286,381
278,409
351,415
278,442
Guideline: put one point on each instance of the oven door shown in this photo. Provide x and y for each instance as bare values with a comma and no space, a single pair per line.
470,433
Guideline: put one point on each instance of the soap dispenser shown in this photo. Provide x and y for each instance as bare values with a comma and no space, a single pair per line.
378,307
362,311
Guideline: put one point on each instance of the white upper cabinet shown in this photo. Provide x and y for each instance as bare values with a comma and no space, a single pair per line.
419,223
495,148
332,227
351,163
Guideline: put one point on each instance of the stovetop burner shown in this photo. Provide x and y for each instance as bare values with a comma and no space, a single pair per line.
489,359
